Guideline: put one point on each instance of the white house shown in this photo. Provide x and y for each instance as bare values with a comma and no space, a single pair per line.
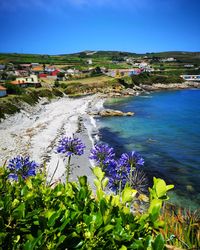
188,65
26,81
143,65
169,59
191,77
89,61
72,72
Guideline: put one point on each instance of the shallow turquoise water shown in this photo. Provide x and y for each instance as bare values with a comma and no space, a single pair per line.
166,131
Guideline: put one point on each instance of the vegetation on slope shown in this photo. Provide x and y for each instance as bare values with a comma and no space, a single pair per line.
15,102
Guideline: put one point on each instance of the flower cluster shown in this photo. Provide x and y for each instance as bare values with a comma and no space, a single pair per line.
22,166
119,171
133,159
102,154
70,146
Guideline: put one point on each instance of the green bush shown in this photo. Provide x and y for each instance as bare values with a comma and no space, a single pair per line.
7,108
149,79
35,215
14,89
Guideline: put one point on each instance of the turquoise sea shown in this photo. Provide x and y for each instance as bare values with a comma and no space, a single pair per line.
166,131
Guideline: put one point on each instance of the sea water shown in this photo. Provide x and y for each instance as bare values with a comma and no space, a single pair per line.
165,130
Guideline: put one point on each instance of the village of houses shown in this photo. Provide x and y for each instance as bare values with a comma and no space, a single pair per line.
37,75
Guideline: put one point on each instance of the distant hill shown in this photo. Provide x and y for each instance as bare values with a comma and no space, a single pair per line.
98,56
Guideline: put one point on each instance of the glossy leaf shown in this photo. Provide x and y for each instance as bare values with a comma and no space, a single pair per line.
98,173
128,194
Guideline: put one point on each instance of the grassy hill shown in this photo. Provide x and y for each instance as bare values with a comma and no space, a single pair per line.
99,57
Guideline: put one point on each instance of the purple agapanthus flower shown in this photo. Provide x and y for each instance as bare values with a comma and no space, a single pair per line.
102,154
70,146
22,166
132,159
121,171
118,175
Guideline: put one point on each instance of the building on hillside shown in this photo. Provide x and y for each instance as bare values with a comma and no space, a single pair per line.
148,69
3,91
89,61
49,69
32,79
193,78
72,72
37,69
124,72
21,72
28,81
188,65
25,66
42,75
55,72
35,64
20,83
143,65
2,66
170,59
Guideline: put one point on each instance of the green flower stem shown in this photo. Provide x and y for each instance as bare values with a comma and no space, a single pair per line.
131,173
120,185
68,169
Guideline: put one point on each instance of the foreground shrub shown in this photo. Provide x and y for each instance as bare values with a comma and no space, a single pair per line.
34,215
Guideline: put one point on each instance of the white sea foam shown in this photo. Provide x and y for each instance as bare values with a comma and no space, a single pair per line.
93,121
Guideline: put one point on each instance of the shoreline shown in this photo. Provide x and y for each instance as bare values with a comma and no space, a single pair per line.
37,131
86,130
36,134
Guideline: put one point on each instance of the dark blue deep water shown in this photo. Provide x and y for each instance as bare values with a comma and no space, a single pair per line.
166,131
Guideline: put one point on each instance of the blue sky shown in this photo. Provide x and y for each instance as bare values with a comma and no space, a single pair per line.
67,26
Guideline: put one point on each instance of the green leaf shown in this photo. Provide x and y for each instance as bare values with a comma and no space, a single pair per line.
108,228
15,203
161,188
170,187
159,243
128,194
98,173
83,181
97,183
61,239
154,209
148,243
103,206
123,248
52,219
19,212
17,239
105,182
115,201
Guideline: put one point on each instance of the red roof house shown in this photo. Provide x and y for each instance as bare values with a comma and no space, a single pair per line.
55,72
42,75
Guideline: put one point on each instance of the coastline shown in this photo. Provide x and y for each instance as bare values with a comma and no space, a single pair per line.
123,136
37,130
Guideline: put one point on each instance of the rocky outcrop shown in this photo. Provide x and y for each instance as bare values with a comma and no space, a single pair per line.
112,112
161,86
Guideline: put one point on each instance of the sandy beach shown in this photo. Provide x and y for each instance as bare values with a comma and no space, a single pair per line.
36,131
